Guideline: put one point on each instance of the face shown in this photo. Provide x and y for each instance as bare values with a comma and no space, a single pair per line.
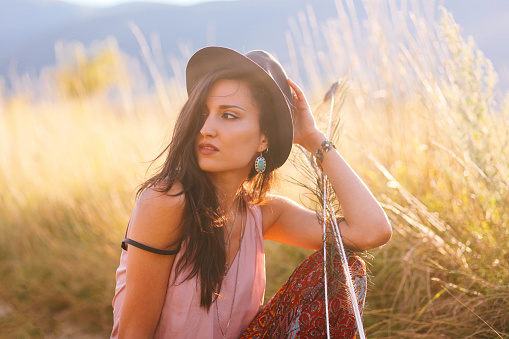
230,138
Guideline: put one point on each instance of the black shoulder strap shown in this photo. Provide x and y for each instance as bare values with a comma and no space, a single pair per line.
147,248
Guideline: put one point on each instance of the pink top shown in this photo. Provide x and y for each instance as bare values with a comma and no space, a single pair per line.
182,316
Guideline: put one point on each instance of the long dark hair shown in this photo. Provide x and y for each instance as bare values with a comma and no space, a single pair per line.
200,225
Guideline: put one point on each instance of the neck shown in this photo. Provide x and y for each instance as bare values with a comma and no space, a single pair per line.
227,187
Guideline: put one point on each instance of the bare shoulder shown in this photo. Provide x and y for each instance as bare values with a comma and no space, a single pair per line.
163,202
157,217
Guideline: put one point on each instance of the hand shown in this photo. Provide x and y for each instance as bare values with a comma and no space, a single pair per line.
305,131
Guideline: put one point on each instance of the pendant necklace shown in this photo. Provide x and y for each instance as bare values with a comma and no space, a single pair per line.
242,231
227,246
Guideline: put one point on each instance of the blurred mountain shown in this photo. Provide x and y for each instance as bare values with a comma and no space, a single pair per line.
29,29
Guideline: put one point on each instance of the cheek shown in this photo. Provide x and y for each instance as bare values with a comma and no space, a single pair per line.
247,143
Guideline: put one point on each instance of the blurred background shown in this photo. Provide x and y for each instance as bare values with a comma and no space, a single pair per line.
89,91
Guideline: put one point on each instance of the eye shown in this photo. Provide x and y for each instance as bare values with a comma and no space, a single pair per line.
229,116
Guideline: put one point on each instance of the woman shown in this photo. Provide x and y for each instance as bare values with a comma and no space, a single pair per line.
194,265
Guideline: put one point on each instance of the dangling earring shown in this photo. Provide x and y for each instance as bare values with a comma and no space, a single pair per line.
260,163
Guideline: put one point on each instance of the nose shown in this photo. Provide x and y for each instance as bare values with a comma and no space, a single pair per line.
208,128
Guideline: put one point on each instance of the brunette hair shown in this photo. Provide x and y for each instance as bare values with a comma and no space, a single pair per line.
200,225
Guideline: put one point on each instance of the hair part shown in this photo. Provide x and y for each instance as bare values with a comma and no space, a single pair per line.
201,225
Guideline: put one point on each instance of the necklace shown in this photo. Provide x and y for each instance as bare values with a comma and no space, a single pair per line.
227,246
242,231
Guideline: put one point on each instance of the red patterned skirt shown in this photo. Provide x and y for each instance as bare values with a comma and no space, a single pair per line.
297,310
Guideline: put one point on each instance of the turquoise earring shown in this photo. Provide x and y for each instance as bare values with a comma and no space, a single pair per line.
260,163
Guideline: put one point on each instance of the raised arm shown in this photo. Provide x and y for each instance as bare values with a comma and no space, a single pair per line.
366,225
155,223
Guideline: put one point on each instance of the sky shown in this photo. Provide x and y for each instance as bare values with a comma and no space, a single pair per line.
107,3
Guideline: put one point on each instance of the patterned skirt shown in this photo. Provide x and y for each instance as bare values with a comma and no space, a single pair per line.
297,310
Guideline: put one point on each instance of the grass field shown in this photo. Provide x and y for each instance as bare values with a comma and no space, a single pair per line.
421,123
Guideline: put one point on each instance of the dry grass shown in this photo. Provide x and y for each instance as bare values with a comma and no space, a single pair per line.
420,123
68,175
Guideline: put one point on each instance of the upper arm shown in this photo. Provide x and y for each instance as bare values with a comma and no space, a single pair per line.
288,222
156,223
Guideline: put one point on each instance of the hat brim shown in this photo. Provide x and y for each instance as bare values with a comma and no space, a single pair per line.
213,58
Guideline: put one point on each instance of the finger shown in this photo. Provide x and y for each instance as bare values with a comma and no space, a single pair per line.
297,90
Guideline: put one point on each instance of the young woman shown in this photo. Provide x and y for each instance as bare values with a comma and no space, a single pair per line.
193,261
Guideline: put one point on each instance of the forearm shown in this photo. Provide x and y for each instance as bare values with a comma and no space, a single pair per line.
366,224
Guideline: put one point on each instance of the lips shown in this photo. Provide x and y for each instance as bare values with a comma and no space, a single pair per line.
207,149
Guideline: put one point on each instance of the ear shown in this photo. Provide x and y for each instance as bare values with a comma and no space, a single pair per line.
264,144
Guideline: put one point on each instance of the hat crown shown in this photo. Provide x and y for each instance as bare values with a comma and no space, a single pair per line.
273,68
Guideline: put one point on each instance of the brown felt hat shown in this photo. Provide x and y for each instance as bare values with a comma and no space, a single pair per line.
271,73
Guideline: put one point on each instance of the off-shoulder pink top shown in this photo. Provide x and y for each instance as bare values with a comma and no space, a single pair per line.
182,316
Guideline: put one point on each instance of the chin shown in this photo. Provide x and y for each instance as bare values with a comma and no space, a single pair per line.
206,166
215,169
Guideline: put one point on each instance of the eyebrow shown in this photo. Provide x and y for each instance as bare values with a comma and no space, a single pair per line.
231,106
